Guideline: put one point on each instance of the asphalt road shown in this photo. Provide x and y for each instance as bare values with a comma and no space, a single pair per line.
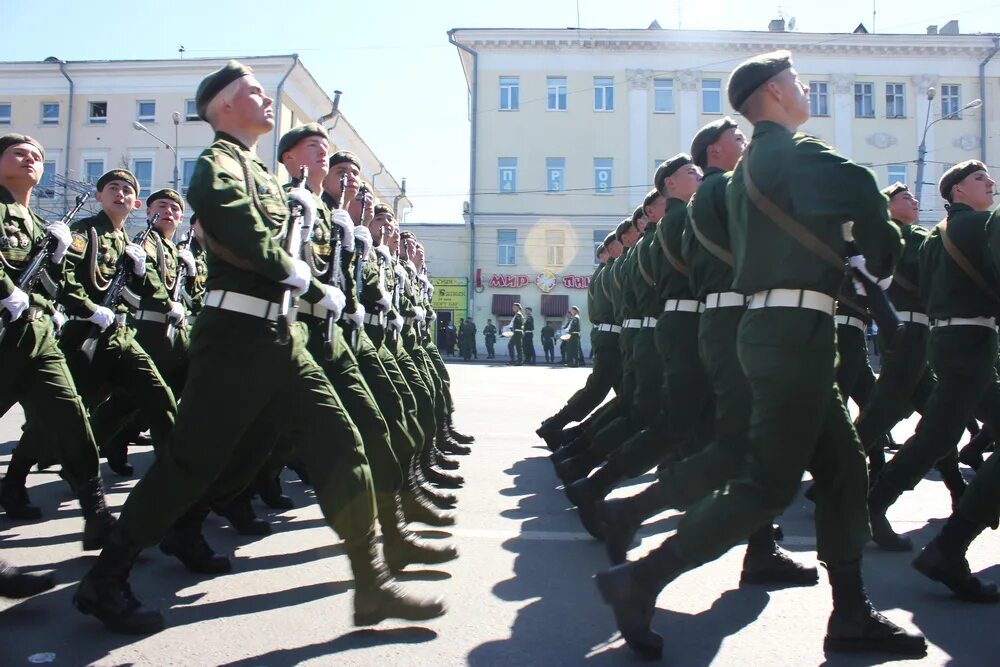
521,593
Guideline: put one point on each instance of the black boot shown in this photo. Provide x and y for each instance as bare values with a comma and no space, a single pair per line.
104,592
855,626
440,499
242,518
435,476
97,520
577,467
621,518
574,447
417,508
299,469
445,463
944,560
765,563
116,454
450,445
401,547
587,492
14,492
17,584
551,431
631,590
461,438
569,434
376,596
881,497
270,493
952,478
191,549
972,454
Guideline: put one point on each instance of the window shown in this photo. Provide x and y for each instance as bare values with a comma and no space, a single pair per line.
864,100
145,111
506,245
895,100
602,175
555,169
4,114
50,113
507,166
711,96
604,93
951,100
556,96
599,236
819,98
143,172
187,171
93,170
510,93
97,113
897,172
663,95
46,188
555,246
190,111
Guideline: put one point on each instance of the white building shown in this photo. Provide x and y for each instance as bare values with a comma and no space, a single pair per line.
568,126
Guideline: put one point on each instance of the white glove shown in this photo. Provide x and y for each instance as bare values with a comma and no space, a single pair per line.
431,316
187,258
396,323
58,320
383,252
384,302
858,262
16,303
176,313
400,273
847,231
411,266
60,232
102,317
299,280
423,280
334,301
363,237
430,289
419,314
342,220
308,201
138,257
357,318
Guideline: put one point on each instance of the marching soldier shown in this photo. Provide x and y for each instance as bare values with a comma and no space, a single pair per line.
515,347
573,344
548,335
529,337
490,337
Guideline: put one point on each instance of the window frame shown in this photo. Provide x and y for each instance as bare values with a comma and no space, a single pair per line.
47,190
555,164
898,168
509,249
668,88
555,251
98,119
86,170
606,91
819,91
184,175
189,106
953,114
58,117
509,168
7,120
898,98
512,86
143,187
151,118
718,92
561,93
609,188
860,95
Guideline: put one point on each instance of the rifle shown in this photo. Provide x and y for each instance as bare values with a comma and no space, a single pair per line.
33,270
113,294
335,268
293,246
359,262
876,300
175,294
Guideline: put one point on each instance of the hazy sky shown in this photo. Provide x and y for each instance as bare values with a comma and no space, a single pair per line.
402,82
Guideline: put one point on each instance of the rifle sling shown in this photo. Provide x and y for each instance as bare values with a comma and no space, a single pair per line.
675,262
642,270
711,246
964,263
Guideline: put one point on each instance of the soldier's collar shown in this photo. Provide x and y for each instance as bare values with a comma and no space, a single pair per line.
5,196
225,136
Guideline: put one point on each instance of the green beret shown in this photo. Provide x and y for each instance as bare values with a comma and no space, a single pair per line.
345,156
895,189
667,169
118,175
213,84
754,73
291,138
382,208
609,239
165,193
8,140
707,136
957,174
622,228
637,213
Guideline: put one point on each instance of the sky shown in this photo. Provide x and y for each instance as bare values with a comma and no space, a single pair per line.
403,85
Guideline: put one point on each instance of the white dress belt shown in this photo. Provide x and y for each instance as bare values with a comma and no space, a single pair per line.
725,300
847,320
914,316
242,303
648,322
151,316
610,328
792,298
683,306
988,322
632,324
375,319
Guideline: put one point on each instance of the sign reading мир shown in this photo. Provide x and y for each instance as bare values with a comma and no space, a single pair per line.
516,281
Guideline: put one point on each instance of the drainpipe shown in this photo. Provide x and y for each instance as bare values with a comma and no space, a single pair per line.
474,112
69,135
381,170
982,96
401,195
277,112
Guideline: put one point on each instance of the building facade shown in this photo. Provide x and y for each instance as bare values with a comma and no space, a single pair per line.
85,114
569,125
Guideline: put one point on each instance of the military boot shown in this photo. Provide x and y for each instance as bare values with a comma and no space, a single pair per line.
577,467
270,493
856,627
376,596
943,560
435,476
17,584
448,444
440,499
14,492
104,592
416,508
622,517
880,498
443,462
191,549
401,547
587,492
115,453
239,512
461,438
574,447
972,454
952,478
97,520
631,590
551,431
765,563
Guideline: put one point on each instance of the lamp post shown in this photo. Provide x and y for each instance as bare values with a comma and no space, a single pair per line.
142,128
922,149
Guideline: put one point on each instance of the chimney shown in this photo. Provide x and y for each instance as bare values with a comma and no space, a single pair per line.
777,25
950,28
932,30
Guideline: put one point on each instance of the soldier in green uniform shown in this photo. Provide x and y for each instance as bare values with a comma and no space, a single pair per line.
515,347
528,342
548,335
35,373
573,344
245,378
787,348
490,337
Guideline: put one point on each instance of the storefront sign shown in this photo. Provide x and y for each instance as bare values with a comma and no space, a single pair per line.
508,280
545,281
576,282
450,294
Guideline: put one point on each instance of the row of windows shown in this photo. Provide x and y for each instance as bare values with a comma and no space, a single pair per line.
94,168
555,174
97,112
895,99
555,246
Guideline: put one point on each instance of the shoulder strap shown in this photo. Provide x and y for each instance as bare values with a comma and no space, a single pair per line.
675,261
711,246
964,263
898,279
642,270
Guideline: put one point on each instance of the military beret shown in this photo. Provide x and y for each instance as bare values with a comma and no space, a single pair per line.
707,136
751,74
609,239
381,208
118,175
895,189
8,140
667,169
213,84
957,174
291,138
165,193
637,213
622,228
345,156
574,308
515,305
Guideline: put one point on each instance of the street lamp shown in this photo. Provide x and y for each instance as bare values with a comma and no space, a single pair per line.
142,128
922,149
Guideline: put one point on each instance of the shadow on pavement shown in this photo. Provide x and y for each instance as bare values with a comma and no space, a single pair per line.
342,646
